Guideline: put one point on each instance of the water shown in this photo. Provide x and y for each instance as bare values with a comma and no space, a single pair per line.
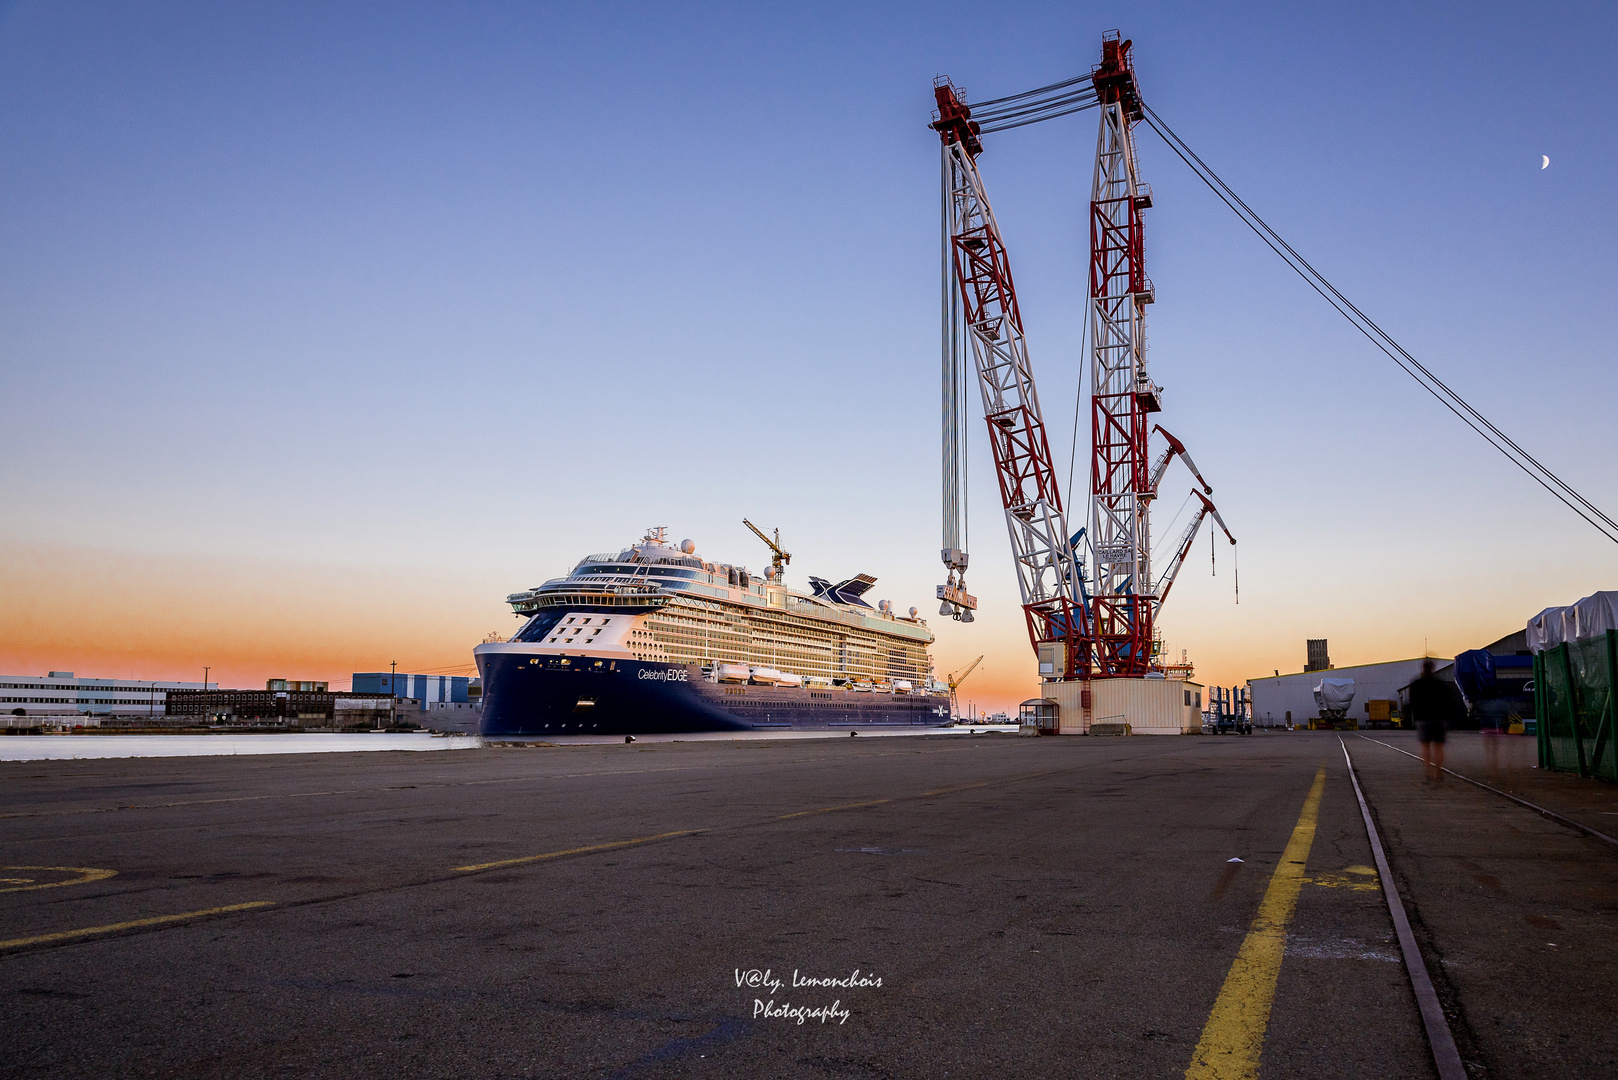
77,747
85,747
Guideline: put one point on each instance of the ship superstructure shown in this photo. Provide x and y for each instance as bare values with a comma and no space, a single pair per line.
725,648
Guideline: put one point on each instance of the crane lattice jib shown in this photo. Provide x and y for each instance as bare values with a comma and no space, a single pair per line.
1123,396
976,261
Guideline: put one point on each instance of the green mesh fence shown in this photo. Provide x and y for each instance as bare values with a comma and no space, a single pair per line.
1576,706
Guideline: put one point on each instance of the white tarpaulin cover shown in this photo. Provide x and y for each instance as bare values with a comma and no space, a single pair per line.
1547,630
1595,615
1590,617
1334,694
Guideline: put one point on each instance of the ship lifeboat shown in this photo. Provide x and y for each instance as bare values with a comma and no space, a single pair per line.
768,676
902,686
790,680
861,687
732,673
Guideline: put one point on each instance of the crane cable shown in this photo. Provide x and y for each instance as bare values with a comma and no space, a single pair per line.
1033,106
1029,107
1078,403
1435,386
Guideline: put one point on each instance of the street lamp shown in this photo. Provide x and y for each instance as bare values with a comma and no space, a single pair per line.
204,699
393,693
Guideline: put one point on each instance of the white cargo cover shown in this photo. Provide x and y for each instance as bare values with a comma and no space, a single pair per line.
1547,630
1595,615
1590,617
1334,694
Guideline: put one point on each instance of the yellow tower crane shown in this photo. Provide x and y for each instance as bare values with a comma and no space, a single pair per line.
779,558
956,680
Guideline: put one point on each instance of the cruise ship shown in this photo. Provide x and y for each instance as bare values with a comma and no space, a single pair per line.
654,638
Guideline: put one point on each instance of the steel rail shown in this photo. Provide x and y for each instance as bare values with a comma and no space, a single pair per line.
1445,1055
1598,834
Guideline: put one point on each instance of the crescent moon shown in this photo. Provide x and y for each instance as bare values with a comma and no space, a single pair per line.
1547,163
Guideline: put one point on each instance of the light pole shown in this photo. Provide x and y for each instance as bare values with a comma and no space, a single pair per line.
393,693
204,700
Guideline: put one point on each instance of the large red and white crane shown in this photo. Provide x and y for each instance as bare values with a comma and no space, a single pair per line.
1106,621
981,313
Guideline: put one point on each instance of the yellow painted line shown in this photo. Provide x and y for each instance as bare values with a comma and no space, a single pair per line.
834,809
1234,1035
966,787
66,935
86,874
571,851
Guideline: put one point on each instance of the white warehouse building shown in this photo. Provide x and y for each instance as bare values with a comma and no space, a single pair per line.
62,693
1279,699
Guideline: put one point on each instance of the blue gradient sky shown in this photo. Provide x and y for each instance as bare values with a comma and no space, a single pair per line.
324,326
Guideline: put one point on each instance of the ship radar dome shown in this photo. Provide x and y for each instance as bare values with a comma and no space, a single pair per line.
914,612
769,573
688,546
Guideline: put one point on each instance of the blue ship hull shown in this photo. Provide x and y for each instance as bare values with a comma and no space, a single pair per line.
527,696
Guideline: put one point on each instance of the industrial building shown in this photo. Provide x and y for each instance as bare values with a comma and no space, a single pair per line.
1279,700
24,699
278,708
438,701
427,689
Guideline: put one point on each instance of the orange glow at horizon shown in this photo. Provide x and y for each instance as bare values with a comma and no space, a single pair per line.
103,614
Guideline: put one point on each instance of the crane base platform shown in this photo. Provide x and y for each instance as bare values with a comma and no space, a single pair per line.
1138,706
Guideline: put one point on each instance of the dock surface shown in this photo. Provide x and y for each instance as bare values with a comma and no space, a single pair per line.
1031,907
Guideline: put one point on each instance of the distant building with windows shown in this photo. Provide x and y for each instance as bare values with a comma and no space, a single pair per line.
282,708
427,689
294,684
438,701
63,694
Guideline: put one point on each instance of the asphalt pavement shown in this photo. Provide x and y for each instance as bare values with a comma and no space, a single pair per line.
946,906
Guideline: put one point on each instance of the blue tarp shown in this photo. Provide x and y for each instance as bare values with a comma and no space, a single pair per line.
1474,674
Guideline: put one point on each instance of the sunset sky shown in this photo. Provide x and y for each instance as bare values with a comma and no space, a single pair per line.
323,327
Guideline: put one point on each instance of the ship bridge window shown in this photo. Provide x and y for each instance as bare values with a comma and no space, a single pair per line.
538,627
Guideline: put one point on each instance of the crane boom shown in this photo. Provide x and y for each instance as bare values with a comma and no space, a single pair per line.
1175,447
955,681
778,558
1166,582
1122,393
976,263
1106,618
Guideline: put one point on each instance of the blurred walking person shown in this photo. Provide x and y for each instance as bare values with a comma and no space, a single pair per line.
1428,704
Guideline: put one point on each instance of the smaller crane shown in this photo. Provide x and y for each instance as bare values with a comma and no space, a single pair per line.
777,560
1166,582
956,680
